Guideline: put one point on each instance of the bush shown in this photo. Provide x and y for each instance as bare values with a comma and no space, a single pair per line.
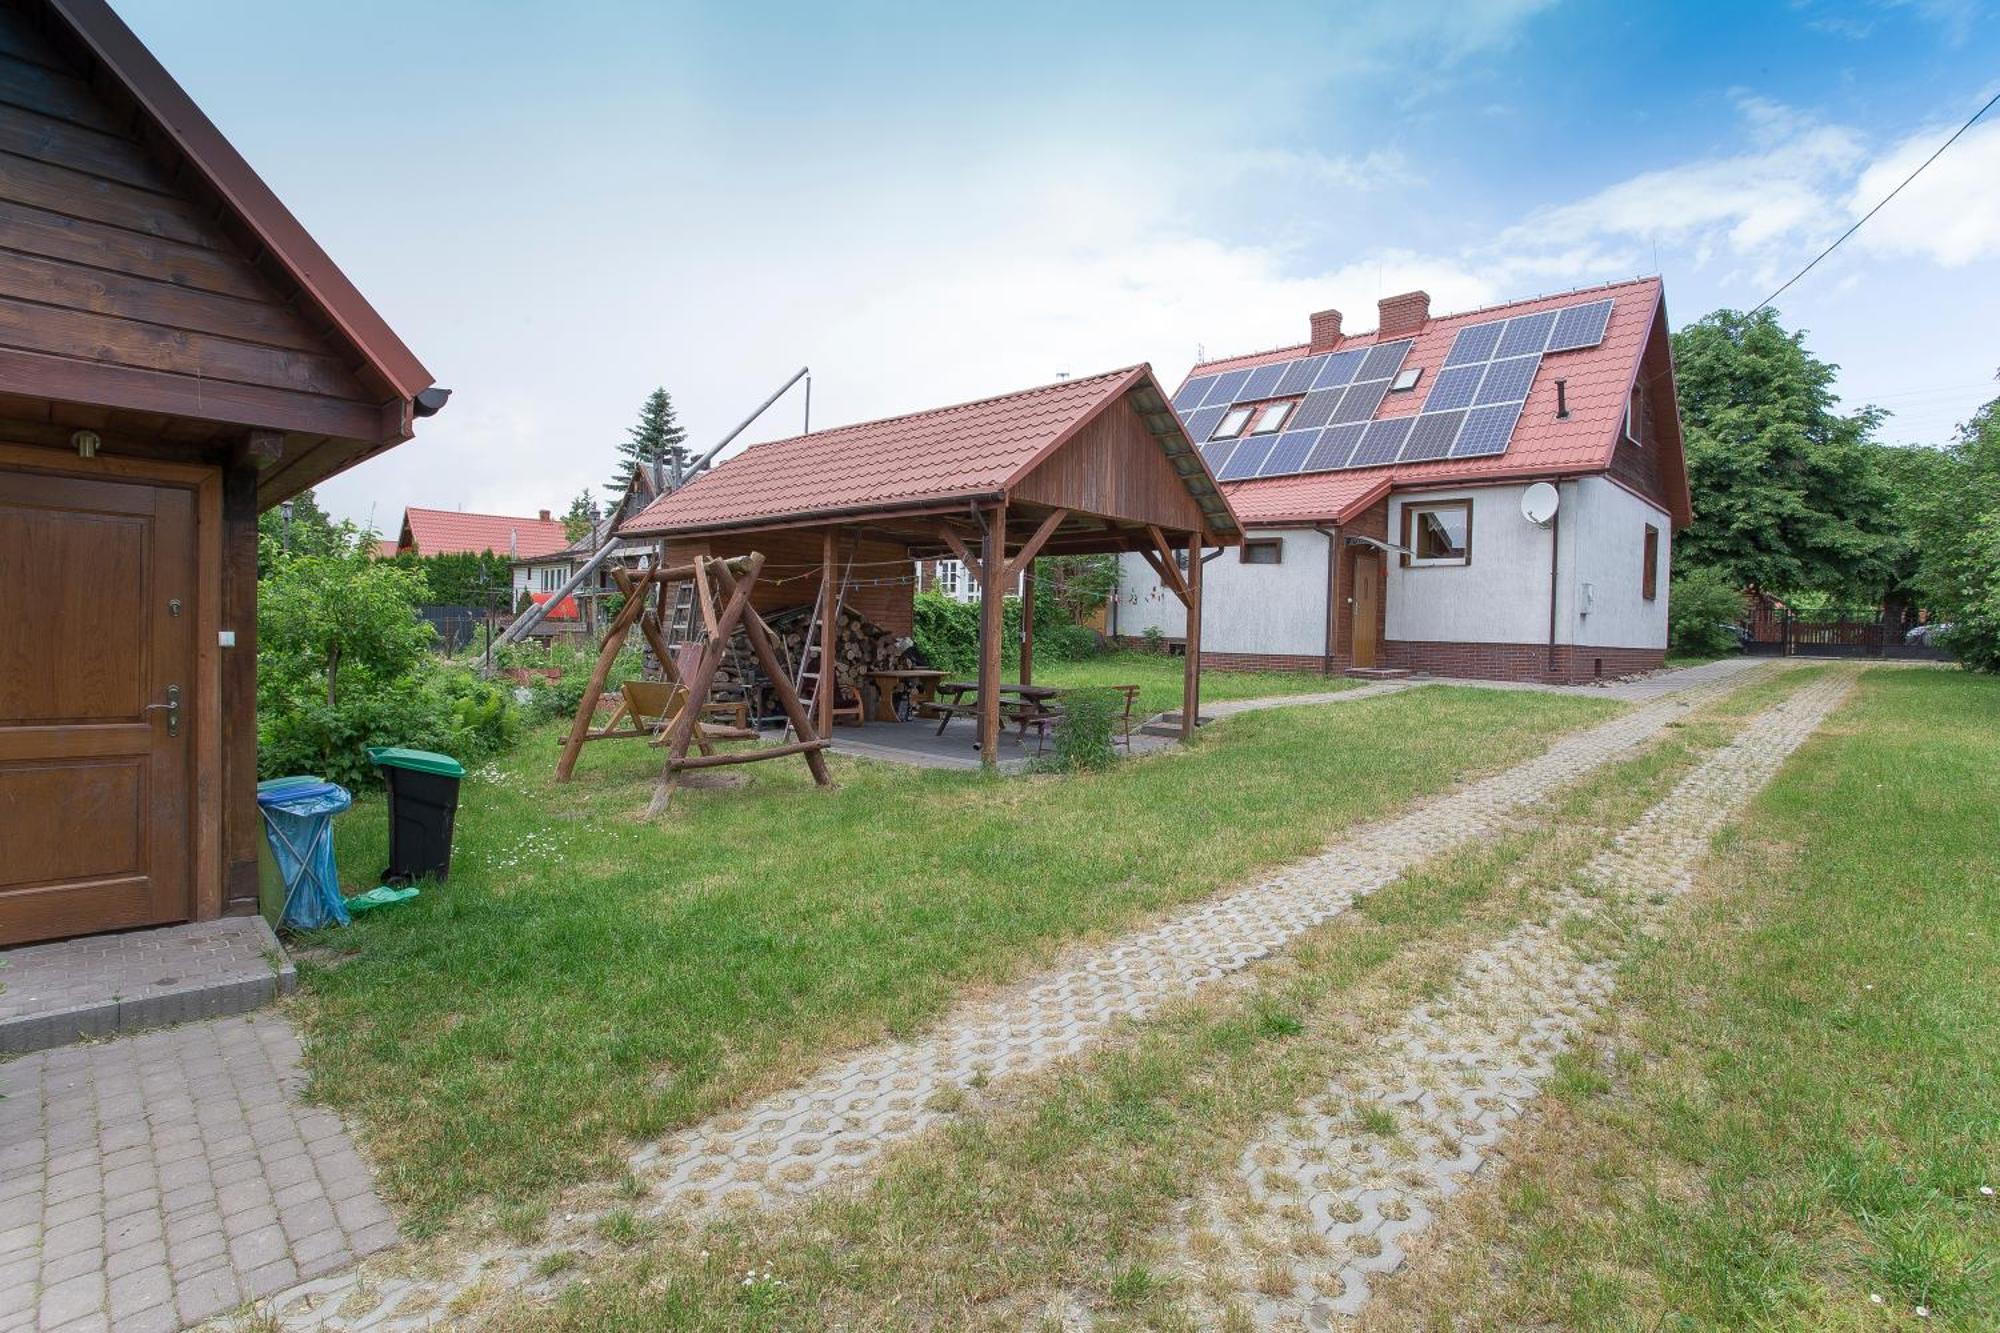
343,664
1703,606
1085,731
947,632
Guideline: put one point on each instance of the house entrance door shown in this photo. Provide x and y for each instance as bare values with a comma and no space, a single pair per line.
97,653
1367,606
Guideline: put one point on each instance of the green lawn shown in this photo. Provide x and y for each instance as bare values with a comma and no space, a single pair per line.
587,977
1802,1125
1159,679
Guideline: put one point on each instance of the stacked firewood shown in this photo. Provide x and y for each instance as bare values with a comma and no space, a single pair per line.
862,647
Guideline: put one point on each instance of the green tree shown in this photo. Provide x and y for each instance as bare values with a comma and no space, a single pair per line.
308,530
582,516
1079,584
339,618
1952,504
1788,496
656,436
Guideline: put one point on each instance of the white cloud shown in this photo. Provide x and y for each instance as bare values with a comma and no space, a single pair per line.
1951,213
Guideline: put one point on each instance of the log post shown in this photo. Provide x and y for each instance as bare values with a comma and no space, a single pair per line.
1028,623
1191,672
766,652
992,628
829,636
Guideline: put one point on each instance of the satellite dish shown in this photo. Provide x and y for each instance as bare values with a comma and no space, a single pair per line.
1539,502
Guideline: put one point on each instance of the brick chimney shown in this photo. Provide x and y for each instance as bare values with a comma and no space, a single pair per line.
1325,330
1402,315
545,516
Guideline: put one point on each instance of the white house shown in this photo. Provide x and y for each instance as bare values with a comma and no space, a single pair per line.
1487,494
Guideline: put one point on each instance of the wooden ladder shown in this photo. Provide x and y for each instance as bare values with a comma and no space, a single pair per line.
810,651
680,622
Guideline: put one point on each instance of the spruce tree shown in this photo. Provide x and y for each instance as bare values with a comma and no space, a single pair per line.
657,435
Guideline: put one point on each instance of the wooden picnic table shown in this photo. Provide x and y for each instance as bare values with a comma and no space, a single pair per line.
922,683
1031,703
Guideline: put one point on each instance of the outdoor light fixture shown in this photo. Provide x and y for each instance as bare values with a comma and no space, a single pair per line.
86,443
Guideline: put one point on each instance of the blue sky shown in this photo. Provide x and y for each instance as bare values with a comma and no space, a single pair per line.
562,206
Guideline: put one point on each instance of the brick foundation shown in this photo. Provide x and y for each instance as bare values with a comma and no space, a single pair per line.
1261,662
1573,664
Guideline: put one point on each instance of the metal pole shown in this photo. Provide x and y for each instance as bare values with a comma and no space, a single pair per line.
744,425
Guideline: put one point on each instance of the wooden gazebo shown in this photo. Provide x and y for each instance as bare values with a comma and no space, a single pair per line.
1083,466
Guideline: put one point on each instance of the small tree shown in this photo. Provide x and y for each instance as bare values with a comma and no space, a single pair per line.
657,436
583,516
307,531
1080,584
337,618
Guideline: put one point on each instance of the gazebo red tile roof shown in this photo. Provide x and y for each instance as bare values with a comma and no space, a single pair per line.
1598,382
451,532
967,450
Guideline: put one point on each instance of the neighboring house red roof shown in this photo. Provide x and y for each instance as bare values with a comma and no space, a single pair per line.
385,548
971,450
1599,380
450,532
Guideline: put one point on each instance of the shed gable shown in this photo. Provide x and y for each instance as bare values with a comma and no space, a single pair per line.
1113,465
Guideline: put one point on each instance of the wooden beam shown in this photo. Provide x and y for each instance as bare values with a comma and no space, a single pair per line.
991,627
1191,670
1165,571
1168,567
1028,624
965,556
829,634
579,727
701,683
649,625
1026,555
752,756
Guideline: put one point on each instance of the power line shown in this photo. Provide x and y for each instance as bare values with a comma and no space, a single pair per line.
1878,207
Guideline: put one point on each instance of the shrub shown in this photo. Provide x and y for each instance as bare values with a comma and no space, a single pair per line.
1085,731
446,709
947,632
1703,606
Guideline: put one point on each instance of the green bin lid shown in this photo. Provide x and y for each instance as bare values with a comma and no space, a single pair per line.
420,761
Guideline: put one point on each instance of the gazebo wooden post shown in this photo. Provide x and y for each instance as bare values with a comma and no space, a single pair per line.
829,638
1028,623
992,627
1191,673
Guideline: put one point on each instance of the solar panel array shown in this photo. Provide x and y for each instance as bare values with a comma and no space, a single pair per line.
1470,412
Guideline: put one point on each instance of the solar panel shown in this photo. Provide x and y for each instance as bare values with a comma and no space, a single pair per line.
1299,376
1526,333
1338,372
1189,397
1263,382
1384,360
1486,431
1216,452
1580,326
1508,381
1247,459
1383,442
1335,447
1289,454
1475,343
1454,388
1360,401
1317,408
1201,422
1431,437
1222,392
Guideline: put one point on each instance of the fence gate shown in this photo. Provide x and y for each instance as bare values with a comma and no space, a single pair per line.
1835,634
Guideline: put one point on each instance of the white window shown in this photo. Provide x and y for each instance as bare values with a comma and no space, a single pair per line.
951,578
1233,423
1438,534
1264,551
548,578
1270,417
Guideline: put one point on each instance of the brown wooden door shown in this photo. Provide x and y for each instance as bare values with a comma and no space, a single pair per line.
1367,606
97,616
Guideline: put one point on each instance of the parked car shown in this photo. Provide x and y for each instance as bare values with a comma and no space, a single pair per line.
1927,635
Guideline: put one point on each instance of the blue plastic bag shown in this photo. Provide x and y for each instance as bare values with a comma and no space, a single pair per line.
298,821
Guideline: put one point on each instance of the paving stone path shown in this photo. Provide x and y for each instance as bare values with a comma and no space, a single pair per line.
841,1123
1322,1202
151,1181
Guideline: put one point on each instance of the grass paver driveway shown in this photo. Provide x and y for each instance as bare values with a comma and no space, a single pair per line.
587,978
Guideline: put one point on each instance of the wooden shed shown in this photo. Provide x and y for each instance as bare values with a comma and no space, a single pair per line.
176,354
1082,466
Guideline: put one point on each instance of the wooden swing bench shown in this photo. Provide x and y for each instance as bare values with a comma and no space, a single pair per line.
675,712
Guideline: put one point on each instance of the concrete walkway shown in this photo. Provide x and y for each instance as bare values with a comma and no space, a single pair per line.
837,1125
1333,1204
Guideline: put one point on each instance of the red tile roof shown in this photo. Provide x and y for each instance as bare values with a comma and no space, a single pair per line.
449,532
1599,379
971,449
385,548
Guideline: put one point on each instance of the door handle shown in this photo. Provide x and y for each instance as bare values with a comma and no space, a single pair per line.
172,707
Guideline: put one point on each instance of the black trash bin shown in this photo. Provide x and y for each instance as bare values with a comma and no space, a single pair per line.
423,802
